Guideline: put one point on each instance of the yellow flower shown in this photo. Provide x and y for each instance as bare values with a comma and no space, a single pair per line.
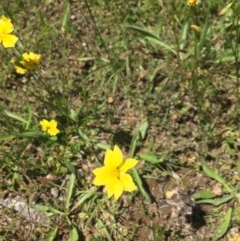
29,62
113,174
50,127
193,2
20,70
6,27
235,238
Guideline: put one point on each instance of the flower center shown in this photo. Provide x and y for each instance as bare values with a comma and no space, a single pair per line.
116,173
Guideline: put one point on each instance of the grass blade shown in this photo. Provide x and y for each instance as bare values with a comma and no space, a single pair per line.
151,158
152,38
51,235
84,197
138,180
216,201
29,118
70,188
15,116
204,194
66,17
143,129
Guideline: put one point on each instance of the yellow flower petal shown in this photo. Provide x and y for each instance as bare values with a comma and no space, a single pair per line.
4,18
128,164
31,57
193,2
53,131
115,188
6,27
52,124
128,183
9,41
29,62
102,176
44,124
114,158
20,70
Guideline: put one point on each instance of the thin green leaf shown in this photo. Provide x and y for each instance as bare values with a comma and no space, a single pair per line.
70,167
84,197
202,39
225,224
41,208
29,118
15,116
51,235
7,137
139,183
152,79
183,36
203,195
56,211
216,201
214,175
73,115
59,107
143,129
139,135
48,209
84,137
103,146
134,143
104,230
66,17
152,38
29,134
70,188
151,158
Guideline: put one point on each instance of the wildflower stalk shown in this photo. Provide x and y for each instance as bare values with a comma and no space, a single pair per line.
113,62
170,9
96,28
38,80
197,90
194,79
235,49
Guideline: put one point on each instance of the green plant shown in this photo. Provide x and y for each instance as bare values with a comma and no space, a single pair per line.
229,195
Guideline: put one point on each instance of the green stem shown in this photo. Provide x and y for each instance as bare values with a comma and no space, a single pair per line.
236,56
